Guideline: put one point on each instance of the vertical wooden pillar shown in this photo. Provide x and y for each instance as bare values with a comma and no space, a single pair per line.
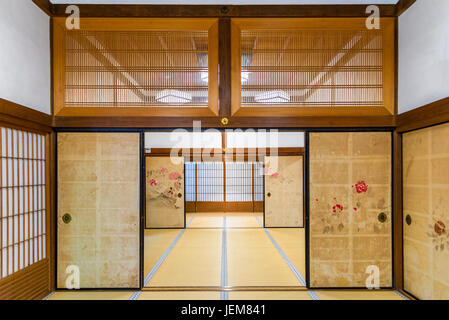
397,212
224,61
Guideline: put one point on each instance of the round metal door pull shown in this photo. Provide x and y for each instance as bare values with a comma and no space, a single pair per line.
67,218
408,219
269,194
382,217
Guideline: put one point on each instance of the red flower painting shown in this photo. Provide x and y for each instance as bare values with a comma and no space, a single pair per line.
361,187
337,207
174,176
153,182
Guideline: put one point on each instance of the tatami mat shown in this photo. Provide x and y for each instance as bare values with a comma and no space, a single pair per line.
194,261
358,295
205,220
91,295
253,260
179,295
156,243
269,295
292,242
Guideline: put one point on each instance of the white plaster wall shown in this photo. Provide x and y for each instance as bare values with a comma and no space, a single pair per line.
25,54
423,54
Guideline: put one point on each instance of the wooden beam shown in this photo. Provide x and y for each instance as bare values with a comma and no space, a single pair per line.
403,5
426,116
236,122
46,6
397,212
24,118
197,11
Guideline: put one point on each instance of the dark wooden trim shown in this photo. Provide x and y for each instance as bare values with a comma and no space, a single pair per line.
204,206
397,212
224,67
403,5
426,116
24,118
46,6
240,206
197,11
214,122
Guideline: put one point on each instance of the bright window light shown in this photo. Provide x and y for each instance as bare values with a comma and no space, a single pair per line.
277,96
173,96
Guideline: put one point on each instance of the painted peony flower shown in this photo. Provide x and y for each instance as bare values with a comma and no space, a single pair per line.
153,182
174,176
361,187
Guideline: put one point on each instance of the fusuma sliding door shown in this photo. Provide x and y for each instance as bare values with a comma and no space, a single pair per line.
284,192
426,212
165,192
350,209
98,210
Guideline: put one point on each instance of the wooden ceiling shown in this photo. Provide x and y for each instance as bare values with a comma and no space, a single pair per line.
306,10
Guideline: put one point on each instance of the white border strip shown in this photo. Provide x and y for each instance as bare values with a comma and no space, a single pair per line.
49,295
401,295
164,256
313,295
224,295
290,264
135,295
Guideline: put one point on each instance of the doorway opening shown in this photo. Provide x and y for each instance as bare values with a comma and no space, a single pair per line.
239,225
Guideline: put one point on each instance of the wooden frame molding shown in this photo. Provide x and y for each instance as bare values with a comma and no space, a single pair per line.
97,11
46,6
431,114
403,5
166,24
18,116
388,58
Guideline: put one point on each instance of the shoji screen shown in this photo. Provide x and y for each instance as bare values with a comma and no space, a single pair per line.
210,182
98,197
23,227
165,192
312,66
350,208
239,182
190,181
426,212
134,66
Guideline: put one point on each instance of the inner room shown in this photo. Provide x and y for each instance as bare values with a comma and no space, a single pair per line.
224,188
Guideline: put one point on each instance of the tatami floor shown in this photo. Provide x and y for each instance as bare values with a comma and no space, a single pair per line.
219,250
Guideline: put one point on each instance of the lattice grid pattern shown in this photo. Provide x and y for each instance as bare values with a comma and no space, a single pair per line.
23,212
316,68
136,68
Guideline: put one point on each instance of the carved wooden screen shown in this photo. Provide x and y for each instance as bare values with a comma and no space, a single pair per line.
118,66
350,209
426,212
323,65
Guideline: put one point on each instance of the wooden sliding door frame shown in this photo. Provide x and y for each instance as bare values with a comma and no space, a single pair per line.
141,201
393,201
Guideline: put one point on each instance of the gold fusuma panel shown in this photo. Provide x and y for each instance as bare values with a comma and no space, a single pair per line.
350,193
426,212
284,192
98,186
